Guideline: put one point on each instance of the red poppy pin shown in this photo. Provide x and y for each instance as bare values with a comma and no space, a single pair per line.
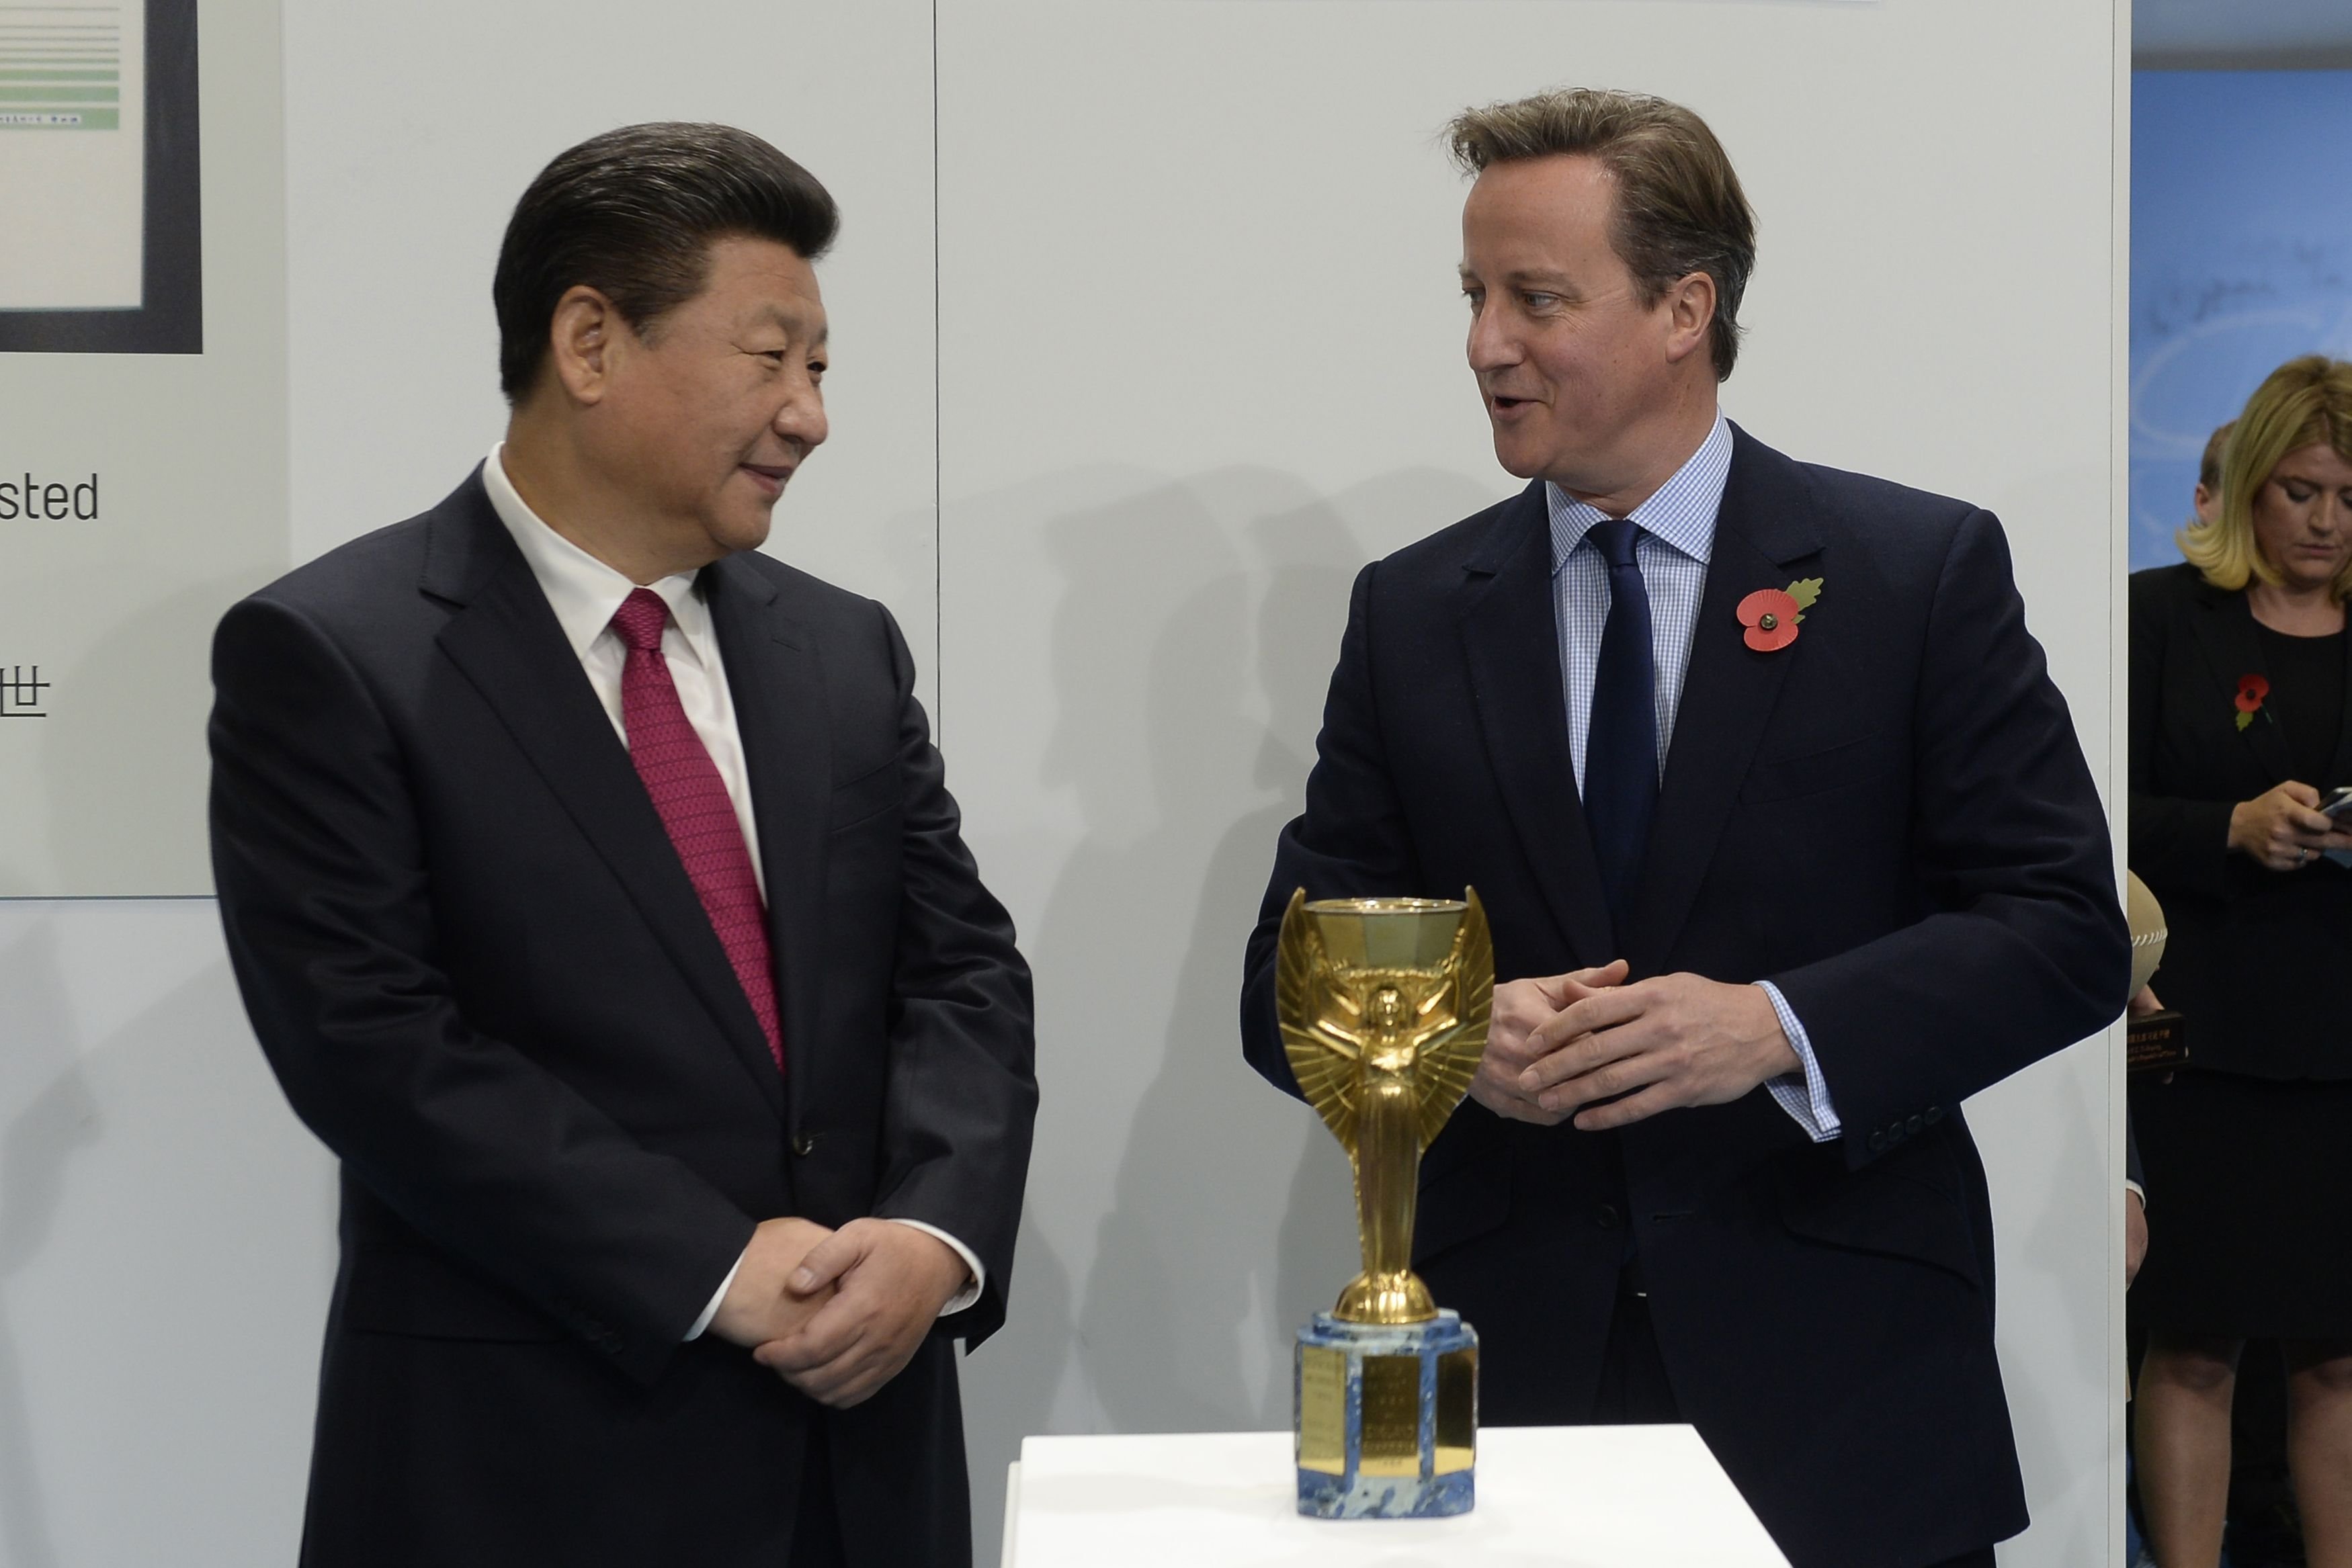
2252,690
1771,614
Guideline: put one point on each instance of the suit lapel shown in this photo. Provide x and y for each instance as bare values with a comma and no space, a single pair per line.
1763,532
2223,627
1511,639
777,686
506,641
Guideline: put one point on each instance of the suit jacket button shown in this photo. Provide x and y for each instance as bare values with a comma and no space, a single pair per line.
1934,1113
1878,1141
805,1144
1915,1124
1604,1215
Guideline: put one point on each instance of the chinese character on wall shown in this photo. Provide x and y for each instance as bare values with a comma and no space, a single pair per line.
20,692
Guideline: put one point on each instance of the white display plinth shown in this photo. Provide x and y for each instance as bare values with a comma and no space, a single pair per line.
1594,1497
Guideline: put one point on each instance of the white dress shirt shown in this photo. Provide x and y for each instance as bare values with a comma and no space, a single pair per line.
1675,539
584,593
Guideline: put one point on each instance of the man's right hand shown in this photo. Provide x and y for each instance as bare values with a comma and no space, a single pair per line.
757,1307
1520,1006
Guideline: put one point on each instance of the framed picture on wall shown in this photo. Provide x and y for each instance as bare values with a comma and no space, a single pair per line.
99,182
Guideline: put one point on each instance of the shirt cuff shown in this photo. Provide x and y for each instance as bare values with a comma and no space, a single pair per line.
963,1299
1806,1098
970,1292
711,1311
2138,1191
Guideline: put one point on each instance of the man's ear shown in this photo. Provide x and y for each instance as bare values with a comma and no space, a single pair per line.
581,339
1689,304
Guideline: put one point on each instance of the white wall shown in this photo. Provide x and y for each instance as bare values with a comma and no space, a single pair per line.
412,128
1200,357
104,795
166,1240
166,1229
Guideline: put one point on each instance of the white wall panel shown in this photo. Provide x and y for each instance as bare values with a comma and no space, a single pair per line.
105,615
411,130
167,1244
1202,358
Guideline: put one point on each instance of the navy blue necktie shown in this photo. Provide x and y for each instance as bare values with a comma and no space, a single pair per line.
1621,752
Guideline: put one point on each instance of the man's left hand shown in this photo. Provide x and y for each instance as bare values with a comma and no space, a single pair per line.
1676,1040
890,1281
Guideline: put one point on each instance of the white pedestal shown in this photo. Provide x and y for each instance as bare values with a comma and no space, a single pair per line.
1589,1496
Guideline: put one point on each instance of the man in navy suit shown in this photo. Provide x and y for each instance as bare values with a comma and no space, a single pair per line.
1787,845
594,889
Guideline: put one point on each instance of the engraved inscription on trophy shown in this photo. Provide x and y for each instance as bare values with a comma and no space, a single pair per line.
1383,1005
1457,1410
2156,1043
1392,1444
1322,1410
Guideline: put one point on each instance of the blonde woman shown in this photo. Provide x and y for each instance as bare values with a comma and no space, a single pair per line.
2240,672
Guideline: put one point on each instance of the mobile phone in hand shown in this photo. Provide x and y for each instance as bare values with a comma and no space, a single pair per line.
2336,807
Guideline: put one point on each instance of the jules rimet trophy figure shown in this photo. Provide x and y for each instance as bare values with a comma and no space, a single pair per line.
1383,1006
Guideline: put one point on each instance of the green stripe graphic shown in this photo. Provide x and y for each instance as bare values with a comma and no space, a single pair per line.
56,73
61,119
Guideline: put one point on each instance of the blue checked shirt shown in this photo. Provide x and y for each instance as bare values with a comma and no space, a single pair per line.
1678,533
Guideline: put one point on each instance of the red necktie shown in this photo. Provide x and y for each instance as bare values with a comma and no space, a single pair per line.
694,806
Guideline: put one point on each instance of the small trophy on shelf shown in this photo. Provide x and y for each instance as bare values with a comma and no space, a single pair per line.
1383,1005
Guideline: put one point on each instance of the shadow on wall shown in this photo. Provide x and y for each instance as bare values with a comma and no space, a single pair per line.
1189,654
39,1071
1183,1316
166,1245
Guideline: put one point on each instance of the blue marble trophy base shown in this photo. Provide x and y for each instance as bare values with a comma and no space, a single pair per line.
1386,1418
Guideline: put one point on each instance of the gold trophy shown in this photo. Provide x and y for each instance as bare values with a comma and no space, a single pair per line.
1383,1005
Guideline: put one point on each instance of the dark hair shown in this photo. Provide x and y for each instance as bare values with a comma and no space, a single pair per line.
2209,467
633,214
1680,209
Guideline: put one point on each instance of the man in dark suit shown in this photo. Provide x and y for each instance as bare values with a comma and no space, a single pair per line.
1788,846
596,895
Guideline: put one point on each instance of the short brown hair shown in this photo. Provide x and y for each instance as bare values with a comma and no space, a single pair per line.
2304,402
633,214
1680,209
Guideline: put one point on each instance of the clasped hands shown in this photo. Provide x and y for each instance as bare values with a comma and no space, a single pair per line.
1557,1046
837,1313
